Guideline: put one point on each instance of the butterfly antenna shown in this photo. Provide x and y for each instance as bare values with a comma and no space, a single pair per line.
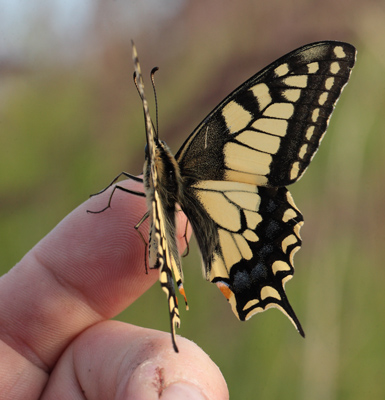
156,99
136,84
138,81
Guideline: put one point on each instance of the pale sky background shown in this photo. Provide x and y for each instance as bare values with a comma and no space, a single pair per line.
19,17
30,27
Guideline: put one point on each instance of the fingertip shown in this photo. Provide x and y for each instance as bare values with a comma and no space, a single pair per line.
146,365
177,391
184,379
189,374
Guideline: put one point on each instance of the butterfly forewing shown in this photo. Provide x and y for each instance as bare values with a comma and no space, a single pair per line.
235,166
267,131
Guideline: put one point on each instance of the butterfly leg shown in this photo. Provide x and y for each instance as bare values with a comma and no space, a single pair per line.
126,174
134,192
185,237
186,241
145,216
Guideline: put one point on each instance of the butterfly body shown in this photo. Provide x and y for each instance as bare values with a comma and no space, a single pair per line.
230,178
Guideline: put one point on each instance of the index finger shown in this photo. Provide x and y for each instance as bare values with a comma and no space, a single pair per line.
87,269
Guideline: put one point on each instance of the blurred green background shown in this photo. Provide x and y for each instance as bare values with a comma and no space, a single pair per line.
70,120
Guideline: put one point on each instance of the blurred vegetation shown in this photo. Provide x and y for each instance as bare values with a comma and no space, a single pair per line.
68,128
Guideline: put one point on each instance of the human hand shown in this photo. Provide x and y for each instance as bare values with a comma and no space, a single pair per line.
57,341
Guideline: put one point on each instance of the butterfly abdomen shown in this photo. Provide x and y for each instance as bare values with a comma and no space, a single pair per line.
162,184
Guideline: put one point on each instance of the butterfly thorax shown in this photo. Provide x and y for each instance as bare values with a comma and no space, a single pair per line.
167,179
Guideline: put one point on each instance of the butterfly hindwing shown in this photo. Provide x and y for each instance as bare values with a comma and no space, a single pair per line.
254,236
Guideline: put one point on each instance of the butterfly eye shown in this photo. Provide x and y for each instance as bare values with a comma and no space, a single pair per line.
146,151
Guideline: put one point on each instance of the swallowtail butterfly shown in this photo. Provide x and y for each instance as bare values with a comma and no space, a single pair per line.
230,174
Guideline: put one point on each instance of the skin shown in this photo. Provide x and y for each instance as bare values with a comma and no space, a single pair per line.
57,339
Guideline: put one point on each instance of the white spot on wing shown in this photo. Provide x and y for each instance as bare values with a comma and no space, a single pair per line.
247,200
231,188
253,312
225,186
163,277
280,110
260,141
268,291
218,268
252,220
262,94
322,98
243,159
252,178
339,52
299,81
282,70
302,151
230,251
236,116
250,235
310,132
273,126
243,246
312,68
288,241
288,215
297,228
292,94
290,200
294,170
224,213
334,67
284,280
329,82
250,303
315,115
280,266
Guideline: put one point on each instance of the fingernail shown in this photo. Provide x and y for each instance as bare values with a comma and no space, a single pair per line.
178,391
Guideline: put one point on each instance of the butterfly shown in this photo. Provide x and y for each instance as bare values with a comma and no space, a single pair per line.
230,177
